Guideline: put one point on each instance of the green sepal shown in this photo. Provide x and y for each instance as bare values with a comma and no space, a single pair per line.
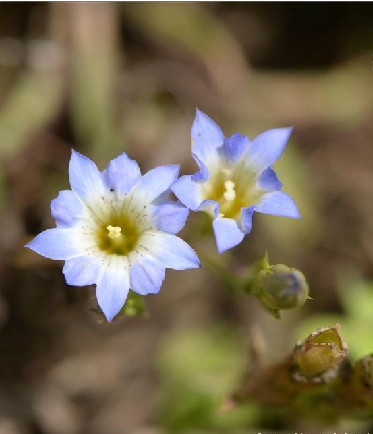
134,306
274,312
251,286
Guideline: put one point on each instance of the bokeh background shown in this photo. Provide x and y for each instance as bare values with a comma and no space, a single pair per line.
111,77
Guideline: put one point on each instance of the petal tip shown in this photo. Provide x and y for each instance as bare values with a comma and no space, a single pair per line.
110,313
197,263
227,234
221,250
290,130
109,318
75,153
29,245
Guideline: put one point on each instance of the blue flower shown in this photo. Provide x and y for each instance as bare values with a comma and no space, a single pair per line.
116,229
236,178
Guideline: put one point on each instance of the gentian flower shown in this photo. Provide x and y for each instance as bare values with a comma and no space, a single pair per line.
116,229
236,178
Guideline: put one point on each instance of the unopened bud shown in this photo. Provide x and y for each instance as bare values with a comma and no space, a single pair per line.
321,353
281,287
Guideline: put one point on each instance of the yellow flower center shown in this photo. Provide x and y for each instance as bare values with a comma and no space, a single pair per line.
233,187
120,237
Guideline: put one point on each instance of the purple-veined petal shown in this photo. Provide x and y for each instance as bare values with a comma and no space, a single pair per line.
227,233
278,203
66,208
85,178
112,290
267,147
268,180
170,250
57,243
82,271
155,182
206,137
235,146
121,174
247,218
146,276
187,191
170,217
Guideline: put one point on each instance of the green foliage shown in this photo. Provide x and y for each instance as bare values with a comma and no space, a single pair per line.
31,104
291,235
197,369
133,306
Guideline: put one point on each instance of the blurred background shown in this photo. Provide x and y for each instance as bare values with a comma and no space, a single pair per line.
105,78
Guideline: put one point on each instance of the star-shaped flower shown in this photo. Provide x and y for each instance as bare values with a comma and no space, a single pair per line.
116,229
236,178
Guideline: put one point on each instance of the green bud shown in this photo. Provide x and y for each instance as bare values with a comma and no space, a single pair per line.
321,354
281,287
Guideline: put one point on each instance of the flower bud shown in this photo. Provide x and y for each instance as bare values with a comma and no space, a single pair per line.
321,353
281,287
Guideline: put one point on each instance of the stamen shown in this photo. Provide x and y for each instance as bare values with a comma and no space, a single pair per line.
229,193
114,231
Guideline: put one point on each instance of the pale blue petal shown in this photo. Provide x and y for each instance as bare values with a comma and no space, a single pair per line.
170,217
85,178
210,206
173,252
82,271
268,180
203,174
267,147
66,208
247,218
56,243
146,277
156,182
278,203
227,233
187,191
112,290
206,137
235,146
121,174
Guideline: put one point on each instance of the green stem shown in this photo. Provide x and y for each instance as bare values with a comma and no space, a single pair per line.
234,283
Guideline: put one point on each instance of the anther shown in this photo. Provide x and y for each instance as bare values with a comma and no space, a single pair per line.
229,193
114,231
